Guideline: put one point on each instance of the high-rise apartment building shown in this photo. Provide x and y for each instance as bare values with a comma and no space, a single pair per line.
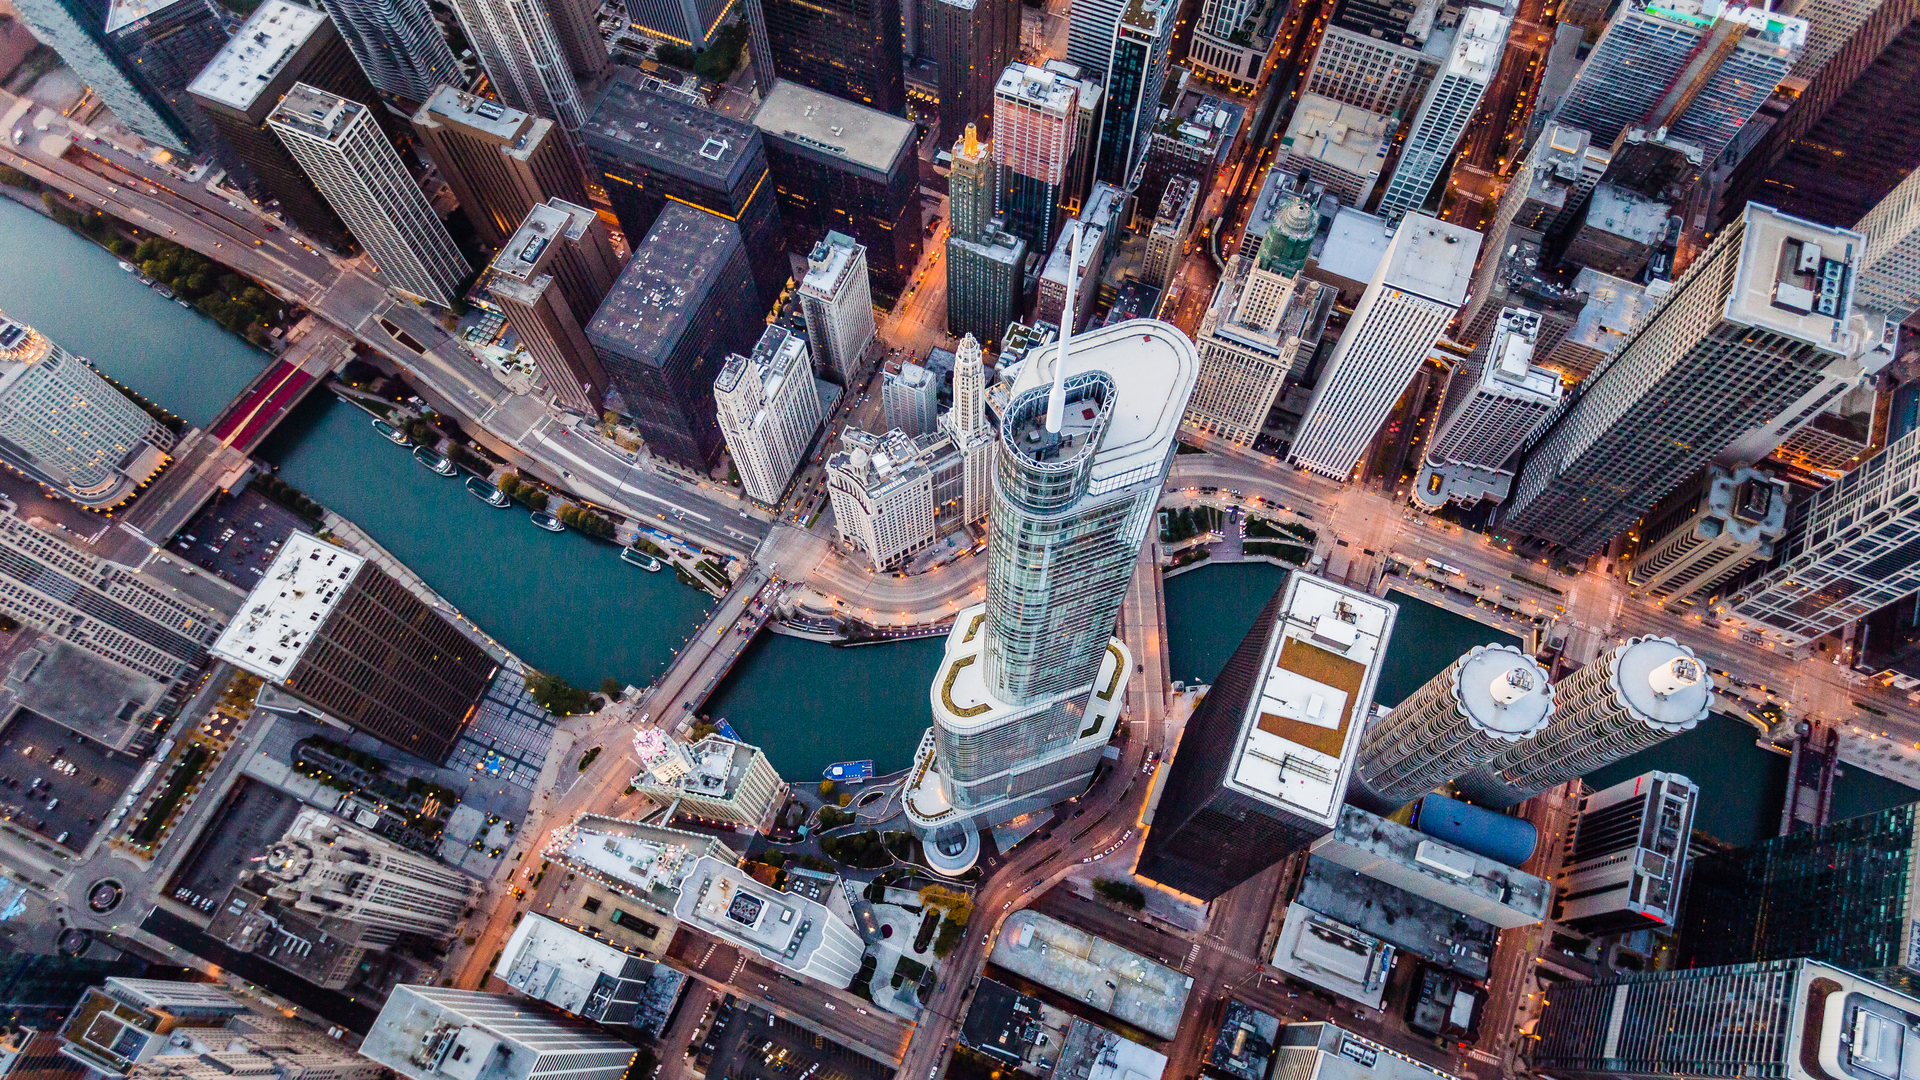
549,279
398,44
797,933
1481,705
837,302
910,397
1032,680
1495,402
1035,115
651,149
971,42
520,52
882,494
324,866
621,864
65,427
851,49
253,1045
1848,552
1090,30
1167,238
350,161
1262,766
1231,41
985,262
1709,529
1889,277
125,1022
1418,288
843,168
1627,855
1262,327
716,780
280,44
76,29
769,412
164,44
440,1033
1752,342
350,642
499,161
1449,104
683,303
1631,697
1135,74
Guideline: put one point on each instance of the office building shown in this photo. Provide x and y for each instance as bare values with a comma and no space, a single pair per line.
163,44
1518,273
1191,140
1618,232
1831,26
851,49
684,22
589,978
842,168
837,301
966,423
1757,337
76,29
1848,552
1134,75
1032,680
1378,58
1889,277
717,780
499,161
1070,281
123,1022
1850,137
1417,864
882,493
440,1033
910,398
1167,238
68,429
324,950
985,263
519,50
1785,1018
1612,309
255,1045
1340,146
398,44
1482,704
1319,1051
1836,440
323,866
337,144
349,641
1701,73
1262,328
1232,39
651,149
1627,856
1090,96
684,302
1444,113
769,412
627,878
1035,127
549,279
1696,539
1262,766
970,42
1416,291
1495,402
799,934
1631,697
280,44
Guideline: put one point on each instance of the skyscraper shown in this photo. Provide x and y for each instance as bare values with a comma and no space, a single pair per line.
797,933
1167,239
881,487
838,305
164,44
1831,29
1444,113
1090,30
1707,1023
972,42
1755,339
1889,278
280,44
769,412
684,302
985,262
576,23
64,426
847,48
1484,703
499,161
1631,697
398,45
550,277
1137,70
336,143
521,54
253,1045
1627,856
1848,551
966,422
689,21
1262,765
1032,681
440,1033
124,1022
1419,286
356,646
1034,124
324,866
910,398
1377,57
76,29
1708,530
1495,402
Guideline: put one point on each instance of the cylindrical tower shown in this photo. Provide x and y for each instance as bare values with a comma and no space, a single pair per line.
1639,694
1289,239
1485,703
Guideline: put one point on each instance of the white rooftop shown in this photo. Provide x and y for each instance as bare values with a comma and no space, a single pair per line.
1038,88
1509,368
834,125
556,964
828,264
251,58
1328,953
287,607
798,933
1796,278
1477,45
647,862
1355,245
1153,366
1343,136
1433,259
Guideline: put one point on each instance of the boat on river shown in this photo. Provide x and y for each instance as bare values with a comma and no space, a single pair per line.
389,432
547,521
486,492
636,557
163,291
433,459
128,267
849,772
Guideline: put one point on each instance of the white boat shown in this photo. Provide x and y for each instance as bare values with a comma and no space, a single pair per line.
547,521
433,459
129,267
636,557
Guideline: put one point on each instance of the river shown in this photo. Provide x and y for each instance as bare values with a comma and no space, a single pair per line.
567,604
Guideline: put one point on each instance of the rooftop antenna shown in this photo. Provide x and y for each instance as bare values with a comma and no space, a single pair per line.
1057,397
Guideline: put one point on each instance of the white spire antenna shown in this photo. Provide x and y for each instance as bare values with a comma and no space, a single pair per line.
1057,397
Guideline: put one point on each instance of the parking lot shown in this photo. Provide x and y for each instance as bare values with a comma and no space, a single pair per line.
236,539
756,1045
56,782
253,817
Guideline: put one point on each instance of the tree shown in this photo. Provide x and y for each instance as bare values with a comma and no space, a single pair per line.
946,939
611,686
555,695
826,789
1121,892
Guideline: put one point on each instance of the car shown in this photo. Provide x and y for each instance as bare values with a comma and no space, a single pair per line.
831,1007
